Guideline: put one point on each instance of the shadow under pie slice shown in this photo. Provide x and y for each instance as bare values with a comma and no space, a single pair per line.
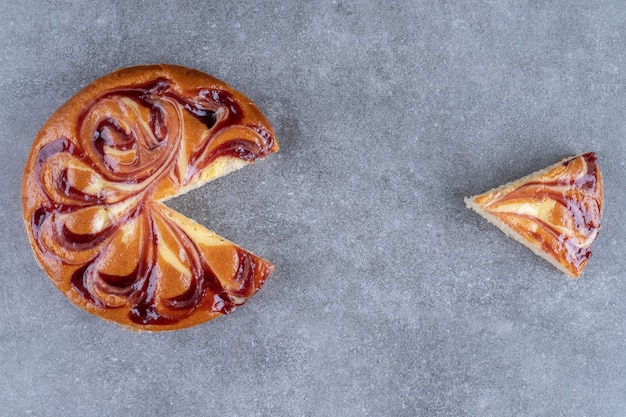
93,188
556,212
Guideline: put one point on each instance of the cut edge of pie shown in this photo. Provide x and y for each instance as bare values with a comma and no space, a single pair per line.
555,212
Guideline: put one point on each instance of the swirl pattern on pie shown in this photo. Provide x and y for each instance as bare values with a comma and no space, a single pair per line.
556,212
93,191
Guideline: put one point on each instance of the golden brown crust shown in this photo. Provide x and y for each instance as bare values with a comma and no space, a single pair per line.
555,212
93,185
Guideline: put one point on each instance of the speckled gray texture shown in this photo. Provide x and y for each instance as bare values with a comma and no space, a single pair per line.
390,298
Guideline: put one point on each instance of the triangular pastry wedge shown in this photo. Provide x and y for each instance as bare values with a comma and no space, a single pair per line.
94,186
555,212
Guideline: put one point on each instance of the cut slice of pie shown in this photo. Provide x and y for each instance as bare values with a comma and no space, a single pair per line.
556,212
95,182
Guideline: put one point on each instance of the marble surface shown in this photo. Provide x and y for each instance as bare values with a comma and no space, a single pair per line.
389,298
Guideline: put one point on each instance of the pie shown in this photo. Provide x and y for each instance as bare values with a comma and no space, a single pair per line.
94,186
555,212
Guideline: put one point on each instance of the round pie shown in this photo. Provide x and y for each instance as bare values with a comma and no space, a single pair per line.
94,186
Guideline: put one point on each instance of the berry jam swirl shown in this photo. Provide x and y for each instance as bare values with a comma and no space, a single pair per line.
561,210
99,214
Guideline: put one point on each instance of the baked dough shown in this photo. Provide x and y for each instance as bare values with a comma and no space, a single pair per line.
94,186
555,212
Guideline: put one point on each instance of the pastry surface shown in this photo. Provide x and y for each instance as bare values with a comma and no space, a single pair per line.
556,212
93,188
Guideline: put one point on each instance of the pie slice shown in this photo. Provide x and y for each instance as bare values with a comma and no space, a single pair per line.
555,212
94,186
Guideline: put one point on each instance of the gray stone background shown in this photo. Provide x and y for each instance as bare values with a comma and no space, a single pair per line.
389,298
